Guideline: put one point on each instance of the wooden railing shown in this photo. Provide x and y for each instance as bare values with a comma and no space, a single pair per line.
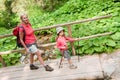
64,25
69,32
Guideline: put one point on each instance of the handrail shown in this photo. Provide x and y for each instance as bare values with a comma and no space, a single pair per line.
64,24
75,22
52,44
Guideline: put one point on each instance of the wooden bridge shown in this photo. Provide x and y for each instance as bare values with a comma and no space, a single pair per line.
22,72
84,71
95,67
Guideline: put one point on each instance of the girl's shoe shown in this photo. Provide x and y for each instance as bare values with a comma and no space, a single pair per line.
72,66
48,68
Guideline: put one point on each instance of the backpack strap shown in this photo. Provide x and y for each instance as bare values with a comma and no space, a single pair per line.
24,32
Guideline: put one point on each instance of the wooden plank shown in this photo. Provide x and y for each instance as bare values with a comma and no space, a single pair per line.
64,24
5,35
84,71
93,36
72,44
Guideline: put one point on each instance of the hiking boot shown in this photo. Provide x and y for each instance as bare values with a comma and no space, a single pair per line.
72,66
33,67
48,68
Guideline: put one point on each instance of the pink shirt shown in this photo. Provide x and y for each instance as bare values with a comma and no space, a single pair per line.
62,42
30,37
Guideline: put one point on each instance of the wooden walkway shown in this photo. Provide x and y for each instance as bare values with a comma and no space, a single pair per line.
95,67
88,68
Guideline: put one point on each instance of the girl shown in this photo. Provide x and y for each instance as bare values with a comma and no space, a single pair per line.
62,45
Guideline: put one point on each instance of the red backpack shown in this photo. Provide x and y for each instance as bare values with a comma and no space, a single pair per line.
16,33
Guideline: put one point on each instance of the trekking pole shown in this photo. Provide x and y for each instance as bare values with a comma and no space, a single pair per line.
78,58
61,61
78,53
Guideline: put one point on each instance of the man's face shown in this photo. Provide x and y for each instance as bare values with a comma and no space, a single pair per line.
25,19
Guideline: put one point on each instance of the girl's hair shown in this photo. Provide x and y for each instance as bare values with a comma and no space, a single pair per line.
57,36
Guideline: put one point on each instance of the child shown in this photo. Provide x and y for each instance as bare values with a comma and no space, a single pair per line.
62,45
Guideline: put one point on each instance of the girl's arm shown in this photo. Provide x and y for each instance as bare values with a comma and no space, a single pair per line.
69,39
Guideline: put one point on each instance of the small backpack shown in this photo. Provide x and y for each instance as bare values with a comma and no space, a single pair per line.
16,33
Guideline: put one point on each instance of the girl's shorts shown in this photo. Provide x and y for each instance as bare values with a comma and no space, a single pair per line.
66,54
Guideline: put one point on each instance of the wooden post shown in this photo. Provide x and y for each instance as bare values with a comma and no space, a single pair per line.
72,44
2,61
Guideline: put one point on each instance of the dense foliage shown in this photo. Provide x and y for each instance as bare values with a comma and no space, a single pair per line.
7,16
77,10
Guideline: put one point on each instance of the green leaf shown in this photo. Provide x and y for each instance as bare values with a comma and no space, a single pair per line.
116,36
85,47
89,51
111,43
82,43
99,49
118,44
12,55
109,49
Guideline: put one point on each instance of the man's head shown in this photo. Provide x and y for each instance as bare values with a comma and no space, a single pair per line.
24,18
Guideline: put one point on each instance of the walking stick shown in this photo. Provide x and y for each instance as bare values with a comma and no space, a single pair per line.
78,58
61,61
78,53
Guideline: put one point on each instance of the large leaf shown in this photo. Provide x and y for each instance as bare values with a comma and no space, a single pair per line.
116,36
89,51
111,43
98,49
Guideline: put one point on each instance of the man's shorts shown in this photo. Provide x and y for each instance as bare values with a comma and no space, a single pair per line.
33,48
66,54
